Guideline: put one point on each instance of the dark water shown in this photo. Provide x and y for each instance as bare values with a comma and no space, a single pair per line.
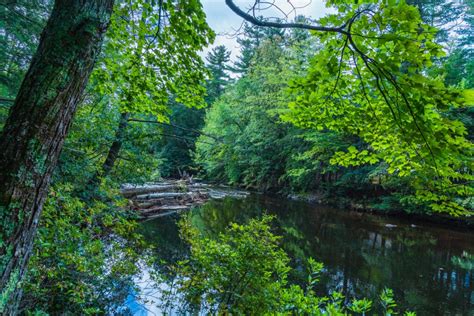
424,264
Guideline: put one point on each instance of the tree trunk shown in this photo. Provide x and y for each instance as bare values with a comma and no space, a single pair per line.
114,150
116,145
38,122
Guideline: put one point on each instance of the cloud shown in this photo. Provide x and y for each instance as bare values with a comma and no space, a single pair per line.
225,22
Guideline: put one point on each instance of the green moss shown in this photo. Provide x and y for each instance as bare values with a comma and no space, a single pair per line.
8,290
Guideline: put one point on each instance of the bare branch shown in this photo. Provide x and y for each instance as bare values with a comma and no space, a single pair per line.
252,19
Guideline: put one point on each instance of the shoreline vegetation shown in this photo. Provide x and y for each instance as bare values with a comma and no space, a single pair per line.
321,198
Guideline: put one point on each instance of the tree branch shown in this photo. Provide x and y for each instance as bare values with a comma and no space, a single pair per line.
195,131
7,100
258,22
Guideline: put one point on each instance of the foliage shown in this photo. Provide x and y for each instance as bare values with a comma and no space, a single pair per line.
218,60
151,62
254,148
89,139
244,271
21,23
85,256
374,115
179,139
374,87
234,273
253,37
465,261
151,53
251,147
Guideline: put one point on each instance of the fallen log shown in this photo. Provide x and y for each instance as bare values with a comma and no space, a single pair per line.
129,192
162,195
160,215
153,200
165,208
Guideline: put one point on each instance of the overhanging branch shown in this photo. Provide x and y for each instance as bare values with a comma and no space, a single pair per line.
252,19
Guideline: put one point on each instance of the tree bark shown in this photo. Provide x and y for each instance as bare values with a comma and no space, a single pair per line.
114,151
116,145
37,125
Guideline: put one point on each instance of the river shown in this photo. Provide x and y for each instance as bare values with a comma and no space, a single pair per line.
426,265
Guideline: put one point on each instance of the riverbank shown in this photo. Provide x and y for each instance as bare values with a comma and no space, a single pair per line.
367,206
363,206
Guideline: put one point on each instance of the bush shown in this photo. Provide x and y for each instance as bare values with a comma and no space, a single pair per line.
84,257
244,271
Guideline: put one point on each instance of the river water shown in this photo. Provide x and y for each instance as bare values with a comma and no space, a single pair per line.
426,265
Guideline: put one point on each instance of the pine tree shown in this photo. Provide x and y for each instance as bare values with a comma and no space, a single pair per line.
252,38
218,60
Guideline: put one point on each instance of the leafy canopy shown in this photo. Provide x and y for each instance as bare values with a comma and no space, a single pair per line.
371,81
152,54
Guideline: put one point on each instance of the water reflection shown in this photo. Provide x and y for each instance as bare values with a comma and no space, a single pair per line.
362,253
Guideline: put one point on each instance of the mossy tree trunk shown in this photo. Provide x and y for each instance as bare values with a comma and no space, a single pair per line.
37,125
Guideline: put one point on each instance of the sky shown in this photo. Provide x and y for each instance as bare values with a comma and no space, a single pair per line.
226,23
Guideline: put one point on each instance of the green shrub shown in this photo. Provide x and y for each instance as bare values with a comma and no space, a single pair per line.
84,257
244,272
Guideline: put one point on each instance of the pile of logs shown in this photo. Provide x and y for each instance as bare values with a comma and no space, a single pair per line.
153,200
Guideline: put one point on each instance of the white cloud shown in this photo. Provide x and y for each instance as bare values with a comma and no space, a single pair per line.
225,22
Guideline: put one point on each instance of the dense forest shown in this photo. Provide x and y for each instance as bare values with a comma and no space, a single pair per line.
369,107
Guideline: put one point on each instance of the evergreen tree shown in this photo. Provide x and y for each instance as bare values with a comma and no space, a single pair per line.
455,23
441,14
218,60
251,39
178,141
21,23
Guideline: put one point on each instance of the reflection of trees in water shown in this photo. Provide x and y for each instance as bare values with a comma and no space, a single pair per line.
362,259
163,235
214,216
361,254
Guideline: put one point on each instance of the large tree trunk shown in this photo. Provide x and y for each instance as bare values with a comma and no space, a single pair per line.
36,127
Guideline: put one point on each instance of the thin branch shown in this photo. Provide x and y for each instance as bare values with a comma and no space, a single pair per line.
187,140
364,92
195,131
344,46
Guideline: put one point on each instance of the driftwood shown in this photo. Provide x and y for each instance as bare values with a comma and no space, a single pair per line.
131,191
166,208
154,200
161,195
